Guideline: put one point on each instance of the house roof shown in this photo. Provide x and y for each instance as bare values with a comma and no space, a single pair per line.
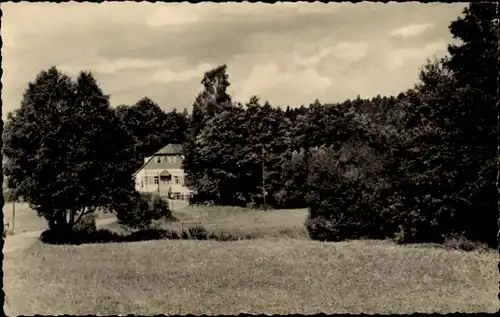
169,150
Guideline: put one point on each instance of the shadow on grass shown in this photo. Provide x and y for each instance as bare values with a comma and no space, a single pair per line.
107,236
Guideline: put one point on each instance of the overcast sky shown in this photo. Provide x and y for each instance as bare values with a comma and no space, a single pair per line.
289,54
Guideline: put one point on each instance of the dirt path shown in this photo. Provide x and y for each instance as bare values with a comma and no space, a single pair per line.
24,240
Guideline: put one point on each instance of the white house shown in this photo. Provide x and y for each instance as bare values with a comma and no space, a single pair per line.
162,174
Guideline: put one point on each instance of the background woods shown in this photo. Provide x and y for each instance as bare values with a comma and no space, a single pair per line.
419,166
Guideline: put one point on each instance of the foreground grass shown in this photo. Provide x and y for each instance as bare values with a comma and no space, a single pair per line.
256,276
271,274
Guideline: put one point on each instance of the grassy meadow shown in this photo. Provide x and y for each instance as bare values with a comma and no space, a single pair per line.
278,271
237,222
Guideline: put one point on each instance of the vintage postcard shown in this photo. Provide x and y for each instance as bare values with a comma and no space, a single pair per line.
226,158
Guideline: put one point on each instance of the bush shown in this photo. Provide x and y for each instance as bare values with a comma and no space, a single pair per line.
86,224
146,235
198,233
139,210
345,194
322,229
107,236
79,237
459,242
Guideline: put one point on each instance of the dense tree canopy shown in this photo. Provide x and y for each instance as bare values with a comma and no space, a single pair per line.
426,157
151,127
419,166
65,148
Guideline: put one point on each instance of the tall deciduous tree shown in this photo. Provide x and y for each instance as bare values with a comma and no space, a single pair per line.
474,63
151,127
222,144
212,100
66,149
449,171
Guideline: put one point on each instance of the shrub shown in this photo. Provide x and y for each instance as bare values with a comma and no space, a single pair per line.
345,194
322,229
198,233
86,224
80,237
110,236
459,242
145,235
139,210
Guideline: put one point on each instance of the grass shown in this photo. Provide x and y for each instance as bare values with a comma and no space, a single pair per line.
272,276
233,221
279,271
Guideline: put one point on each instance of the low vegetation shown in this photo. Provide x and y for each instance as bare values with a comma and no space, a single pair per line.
222,224
269,270
196,223
275,276
138,210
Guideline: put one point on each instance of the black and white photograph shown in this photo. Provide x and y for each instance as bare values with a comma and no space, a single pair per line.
220,158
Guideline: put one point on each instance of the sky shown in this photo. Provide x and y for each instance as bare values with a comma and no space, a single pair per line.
286,53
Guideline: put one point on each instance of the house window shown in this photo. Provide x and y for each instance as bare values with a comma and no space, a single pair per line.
146,179
176,179
158,159
156,180
171,159
142,184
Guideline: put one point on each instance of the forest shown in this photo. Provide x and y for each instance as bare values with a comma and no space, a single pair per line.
418,167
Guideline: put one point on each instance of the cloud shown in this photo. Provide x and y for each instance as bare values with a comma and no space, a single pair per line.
316,7
314,58
313,54
398,57
351,51
173,14
289,53
166,75
113,66
269,80
8,37
411,30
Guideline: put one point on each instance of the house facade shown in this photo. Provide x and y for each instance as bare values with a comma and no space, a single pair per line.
163,174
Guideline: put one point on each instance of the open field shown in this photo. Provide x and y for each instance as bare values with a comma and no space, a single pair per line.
256,276
269,275
238,222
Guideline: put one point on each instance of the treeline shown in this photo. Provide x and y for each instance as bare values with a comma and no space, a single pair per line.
419,166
